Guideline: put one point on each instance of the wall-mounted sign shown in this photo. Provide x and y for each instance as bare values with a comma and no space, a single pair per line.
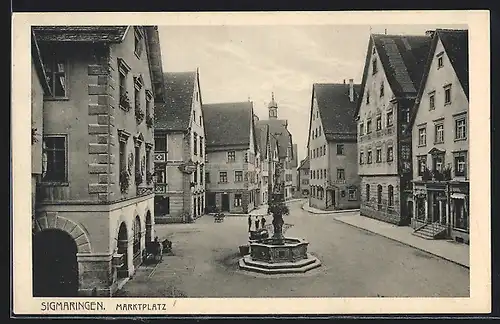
188,167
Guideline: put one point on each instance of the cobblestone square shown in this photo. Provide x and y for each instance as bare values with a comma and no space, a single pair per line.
355,263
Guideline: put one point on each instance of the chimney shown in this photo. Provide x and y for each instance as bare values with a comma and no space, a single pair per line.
430,33
351,90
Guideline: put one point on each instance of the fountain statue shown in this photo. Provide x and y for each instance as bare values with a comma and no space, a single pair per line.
278,254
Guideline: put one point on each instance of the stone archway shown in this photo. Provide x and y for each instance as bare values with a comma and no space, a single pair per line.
149,227
55,264
123,249
51,220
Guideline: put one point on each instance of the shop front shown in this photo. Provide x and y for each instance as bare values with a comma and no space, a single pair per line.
443,204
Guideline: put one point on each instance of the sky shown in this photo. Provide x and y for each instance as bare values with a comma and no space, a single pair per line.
237,63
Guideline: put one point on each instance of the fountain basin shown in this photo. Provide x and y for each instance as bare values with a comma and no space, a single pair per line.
273,256
274,251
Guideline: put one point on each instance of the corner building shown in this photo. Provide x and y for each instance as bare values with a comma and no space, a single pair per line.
94,211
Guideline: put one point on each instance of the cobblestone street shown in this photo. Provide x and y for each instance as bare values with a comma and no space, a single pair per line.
355,263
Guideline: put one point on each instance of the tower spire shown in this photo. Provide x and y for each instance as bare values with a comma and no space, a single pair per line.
273,108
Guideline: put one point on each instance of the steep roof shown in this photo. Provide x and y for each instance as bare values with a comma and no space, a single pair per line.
294,162
337,112
304,164
228,124
456,45
175,113
403,59
262,134
113,34
278,129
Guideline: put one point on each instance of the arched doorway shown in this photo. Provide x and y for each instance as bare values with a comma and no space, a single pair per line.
123,249
55,266
149,227
137,241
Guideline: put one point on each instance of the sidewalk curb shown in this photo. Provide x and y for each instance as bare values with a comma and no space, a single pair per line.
328,212
404,243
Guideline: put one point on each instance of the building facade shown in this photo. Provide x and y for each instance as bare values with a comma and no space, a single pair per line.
393,70
95,203
231,165
303,177
180,150
440,141
39,89
280,143
334,180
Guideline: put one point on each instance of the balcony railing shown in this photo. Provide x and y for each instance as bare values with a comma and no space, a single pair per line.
160,157
160,188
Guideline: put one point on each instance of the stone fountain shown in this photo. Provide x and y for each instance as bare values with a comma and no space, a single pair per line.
279,254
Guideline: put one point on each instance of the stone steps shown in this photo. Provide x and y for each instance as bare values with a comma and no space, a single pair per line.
428,232
302,266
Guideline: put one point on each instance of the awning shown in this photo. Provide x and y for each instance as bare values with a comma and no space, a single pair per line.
458,196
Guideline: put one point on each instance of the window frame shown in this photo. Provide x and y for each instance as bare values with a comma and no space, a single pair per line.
378,155
340,148
432,100
438,125
352,194
456,155
45,162
138,39
390,153
340,174
53,59
231,156
447,94
238,176
460,118
389,118
422,133
221,177
421,161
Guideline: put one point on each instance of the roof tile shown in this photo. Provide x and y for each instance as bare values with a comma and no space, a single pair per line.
175,113
227,124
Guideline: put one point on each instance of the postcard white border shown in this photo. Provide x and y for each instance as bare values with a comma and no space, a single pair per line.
479,58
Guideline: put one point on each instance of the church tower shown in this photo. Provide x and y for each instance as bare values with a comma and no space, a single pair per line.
273,108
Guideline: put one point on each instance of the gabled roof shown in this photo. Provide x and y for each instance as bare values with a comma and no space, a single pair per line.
278,129
228,124
456,45
402,58
175,113
336,111
114,34
262,134
304,164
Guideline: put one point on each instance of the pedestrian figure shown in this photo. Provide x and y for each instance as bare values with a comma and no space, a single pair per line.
263,222
249,222
257,223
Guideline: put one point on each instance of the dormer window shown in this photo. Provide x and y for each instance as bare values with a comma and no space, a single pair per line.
382,89
367,98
